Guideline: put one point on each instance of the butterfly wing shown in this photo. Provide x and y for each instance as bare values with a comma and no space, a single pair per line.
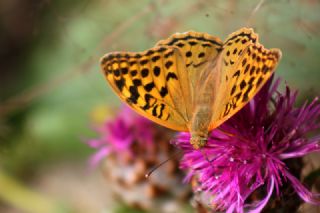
245,67
198,50
157,83
145,82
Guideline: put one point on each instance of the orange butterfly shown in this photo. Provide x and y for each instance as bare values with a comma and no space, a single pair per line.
192,81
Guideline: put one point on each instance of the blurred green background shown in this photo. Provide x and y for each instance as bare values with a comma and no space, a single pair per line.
51,86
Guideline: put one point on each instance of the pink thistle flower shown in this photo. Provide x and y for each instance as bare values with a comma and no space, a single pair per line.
128,147
119,135
249,152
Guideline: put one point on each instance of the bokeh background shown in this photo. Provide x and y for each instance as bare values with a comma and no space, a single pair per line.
51,88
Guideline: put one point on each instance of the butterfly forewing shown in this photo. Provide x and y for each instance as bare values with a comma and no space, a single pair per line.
234,46
246,67
145,81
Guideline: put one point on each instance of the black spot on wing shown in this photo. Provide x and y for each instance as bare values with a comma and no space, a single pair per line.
155,58
227,109
154,110
171,75
192,43
148,98
235,51
252,70
161,49
168,54
148,87
180,44
236,74
168,64
117,73
247,68
120,84
137,82
134,94
124,70
244,62
246,94
150,52
163,91
143,62
237,97
144,72
243,84
137,56
259,81
156,71
161,111
233,89
201,55
133,73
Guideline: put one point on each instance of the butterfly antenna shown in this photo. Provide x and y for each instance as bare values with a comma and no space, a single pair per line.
173,156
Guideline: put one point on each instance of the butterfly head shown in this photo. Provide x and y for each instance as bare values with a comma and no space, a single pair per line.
198,141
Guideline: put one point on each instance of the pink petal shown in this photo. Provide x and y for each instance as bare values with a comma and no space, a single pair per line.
231,208
94,143
98,156
261,204
302,191
302,151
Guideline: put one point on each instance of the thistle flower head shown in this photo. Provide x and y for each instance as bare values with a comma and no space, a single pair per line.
121,134
248,152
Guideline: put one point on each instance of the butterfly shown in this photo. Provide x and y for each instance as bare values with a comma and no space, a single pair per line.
192,81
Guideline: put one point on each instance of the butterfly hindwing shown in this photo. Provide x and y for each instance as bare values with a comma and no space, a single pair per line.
246,67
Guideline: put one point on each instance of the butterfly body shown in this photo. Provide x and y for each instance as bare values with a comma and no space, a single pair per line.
192,81
202,113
